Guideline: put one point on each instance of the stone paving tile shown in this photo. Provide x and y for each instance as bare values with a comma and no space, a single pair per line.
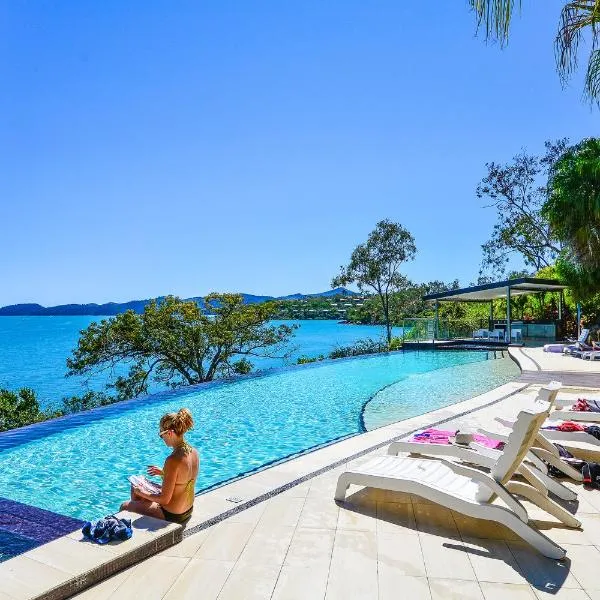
400,555
22,577
225,541
200,579
445,558
585,560
298,582
250,582
563,594
268,544
358,516
310,548
282,511
543,573
392,586
319,514
480,528
454,589
493,561
155,576
353,570
507,591
396,517
435,519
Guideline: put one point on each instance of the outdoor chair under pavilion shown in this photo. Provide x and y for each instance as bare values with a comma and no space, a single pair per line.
463,489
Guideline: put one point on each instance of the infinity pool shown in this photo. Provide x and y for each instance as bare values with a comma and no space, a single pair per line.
79,466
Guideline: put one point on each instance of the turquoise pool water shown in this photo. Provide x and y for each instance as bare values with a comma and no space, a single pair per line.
240,426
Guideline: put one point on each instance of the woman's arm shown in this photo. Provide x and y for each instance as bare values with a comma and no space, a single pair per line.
168,485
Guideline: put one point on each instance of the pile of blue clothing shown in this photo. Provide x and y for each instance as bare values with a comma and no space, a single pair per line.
108,529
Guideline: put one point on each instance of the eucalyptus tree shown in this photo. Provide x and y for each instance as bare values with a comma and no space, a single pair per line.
374,265
177,342
517,190
579,19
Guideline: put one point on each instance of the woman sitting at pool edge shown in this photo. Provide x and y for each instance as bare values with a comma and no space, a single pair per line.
176,499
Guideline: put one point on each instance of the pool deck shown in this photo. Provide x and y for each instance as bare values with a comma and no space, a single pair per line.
279,534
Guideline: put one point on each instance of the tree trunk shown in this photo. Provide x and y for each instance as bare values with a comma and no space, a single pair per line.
386,316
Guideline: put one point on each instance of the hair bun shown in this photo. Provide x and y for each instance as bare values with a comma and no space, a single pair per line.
184,416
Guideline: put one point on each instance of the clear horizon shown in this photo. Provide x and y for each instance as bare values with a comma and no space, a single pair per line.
235,147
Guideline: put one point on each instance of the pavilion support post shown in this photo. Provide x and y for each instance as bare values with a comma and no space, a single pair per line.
491,325
560,305
578,320
437,315
508,314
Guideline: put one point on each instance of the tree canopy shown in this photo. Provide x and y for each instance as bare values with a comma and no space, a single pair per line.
375,265
177,342
577,18
20,408
573,212
517,191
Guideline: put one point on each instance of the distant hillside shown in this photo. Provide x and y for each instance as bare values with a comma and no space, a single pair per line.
114,308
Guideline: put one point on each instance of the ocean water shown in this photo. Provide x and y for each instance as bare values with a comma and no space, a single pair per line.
34,350
241,426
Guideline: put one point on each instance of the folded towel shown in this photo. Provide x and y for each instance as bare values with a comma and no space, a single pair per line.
107,529
442,436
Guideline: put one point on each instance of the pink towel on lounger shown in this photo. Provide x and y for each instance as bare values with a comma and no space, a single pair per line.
442,436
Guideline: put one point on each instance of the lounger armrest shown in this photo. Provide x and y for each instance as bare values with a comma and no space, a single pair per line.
464,453
493,485
510,423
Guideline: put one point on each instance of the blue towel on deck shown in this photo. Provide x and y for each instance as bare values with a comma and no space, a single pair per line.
107,529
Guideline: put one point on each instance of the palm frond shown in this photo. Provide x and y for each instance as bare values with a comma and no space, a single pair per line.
575,18
496,15
592,78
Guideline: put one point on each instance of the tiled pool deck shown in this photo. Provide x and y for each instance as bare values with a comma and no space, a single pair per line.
286,538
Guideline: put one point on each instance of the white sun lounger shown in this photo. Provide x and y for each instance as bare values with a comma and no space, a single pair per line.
532,468
563,411
579,443
464,489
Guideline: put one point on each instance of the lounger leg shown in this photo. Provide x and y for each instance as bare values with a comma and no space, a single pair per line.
543,502
540,464
544,483
342,486
544,545
562,466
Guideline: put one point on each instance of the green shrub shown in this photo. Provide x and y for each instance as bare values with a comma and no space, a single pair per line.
303,360
21,408
360,347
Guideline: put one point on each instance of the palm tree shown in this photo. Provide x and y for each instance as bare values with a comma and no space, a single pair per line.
577,18
573,212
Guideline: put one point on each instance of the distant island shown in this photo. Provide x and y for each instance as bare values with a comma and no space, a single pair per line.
114,308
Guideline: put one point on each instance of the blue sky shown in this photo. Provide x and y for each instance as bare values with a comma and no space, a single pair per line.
152,148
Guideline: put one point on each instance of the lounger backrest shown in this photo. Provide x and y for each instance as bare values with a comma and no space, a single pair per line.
519,442
549,392
583,336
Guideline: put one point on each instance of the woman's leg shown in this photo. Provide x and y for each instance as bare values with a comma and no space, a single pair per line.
133,495
143,507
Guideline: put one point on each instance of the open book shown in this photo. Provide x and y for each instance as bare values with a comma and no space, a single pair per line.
144,484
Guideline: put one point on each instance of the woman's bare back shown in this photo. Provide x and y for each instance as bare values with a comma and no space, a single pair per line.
187,466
